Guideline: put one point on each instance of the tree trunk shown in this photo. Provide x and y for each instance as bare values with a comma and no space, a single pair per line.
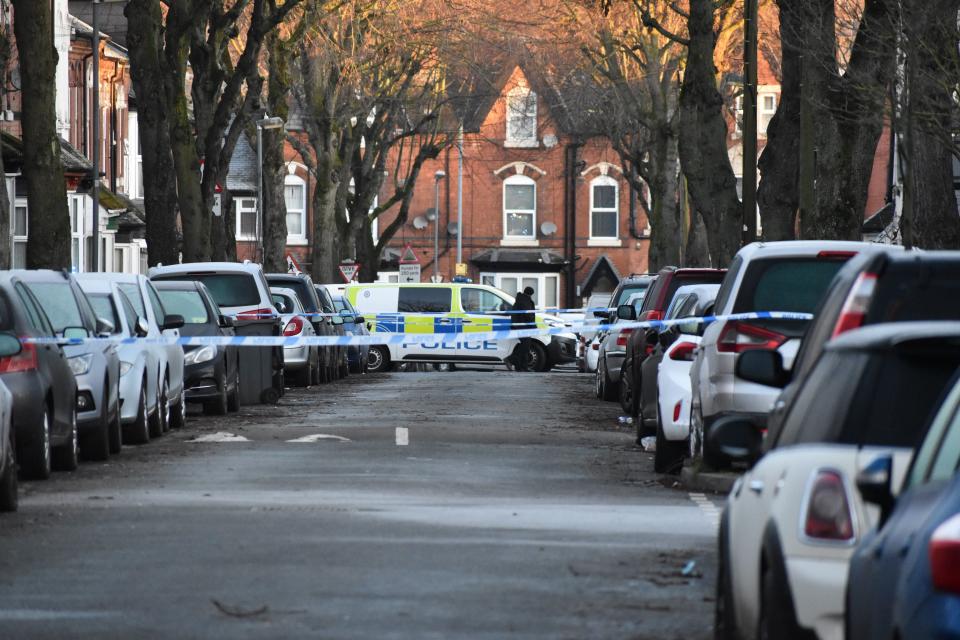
664,214
5,257
274,173
144,23
49,218
703,139
697,253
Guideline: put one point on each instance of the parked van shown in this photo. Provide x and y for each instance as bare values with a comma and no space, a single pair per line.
455,308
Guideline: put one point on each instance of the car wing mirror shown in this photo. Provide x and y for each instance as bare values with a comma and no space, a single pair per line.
626,312
875,484
602,313
735,439
104,328
9,345
172,321
142,327
337,320
75,333
226,322
763,366
359,319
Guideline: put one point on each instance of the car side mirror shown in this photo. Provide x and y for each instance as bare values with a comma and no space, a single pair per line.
874,483
9,345
626,312
602,313
104,328
172,321
359,319
735,439
280,307
142,328
75,333
226,322
763,366
337,320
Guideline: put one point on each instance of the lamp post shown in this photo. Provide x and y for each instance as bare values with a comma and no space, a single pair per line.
438,176
265,123
460,196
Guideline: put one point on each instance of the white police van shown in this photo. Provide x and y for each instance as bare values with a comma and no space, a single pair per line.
458,309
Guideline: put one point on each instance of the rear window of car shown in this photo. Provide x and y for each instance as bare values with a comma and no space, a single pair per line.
301,288
188,304
785,284
424,300
917,291
228,289
628,290
103,306
57,301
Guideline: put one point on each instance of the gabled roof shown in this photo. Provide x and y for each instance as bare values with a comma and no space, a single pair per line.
74,162
242,172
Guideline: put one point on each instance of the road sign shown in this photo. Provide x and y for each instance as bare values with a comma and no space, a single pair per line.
409,272
436,279
349,271
408,256
461,269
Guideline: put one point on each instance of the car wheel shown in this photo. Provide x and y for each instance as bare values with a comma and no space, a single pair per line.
65,457
724,626
608,391
158,421
537,360
626,392
379,359
233,399
668,457
138,432
95,443
778,621
218,406
8,481
598,383
116,432
35,460
178,416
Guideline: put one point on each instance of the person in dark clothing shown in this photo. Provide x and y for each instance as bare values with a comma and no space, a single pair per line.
524,302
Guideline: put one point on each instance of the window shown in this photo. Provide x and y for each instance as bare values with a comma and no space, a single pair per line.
482,301
227,289
20,220
546,286
604,208
295,197
519,208
388,276
158,309
76,232
188,304
103,307
118,265
132,291
58,303
767,108
521,117
424,300
785,284
246,218
38,320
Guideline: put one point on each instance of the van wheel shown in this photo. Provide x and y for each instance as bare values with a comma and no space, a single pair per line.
8,481
379,359
538,357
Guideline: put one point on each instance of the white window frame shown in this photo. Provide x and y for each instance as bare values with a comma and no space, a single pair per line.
495,279
764,115
19,239
251,207
528,105
78,228
605,241
519,240
293,180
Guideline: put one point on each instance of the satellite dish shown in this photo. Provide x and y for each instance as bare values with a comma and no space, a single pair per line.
431,214
548,228
550,141
420,222
452,228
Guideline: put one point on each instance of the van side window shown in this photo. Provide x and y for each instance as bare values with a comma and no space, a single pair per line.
424,300
481,301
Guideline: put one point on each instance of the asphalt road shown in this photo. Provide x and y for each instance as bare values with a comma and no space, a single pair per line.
517,509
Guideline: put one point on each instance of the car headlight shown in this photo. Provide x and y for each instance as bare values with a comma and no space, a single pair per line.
125,367
80,365
198,356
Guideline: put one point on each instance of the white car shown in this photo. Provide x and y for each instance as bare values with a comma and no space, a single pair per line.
171,392
239,289
791,522
772,276
304,360
139,363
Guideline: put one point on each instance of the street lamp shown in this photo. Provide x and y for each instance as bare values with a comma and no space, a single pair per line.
265,123
438,176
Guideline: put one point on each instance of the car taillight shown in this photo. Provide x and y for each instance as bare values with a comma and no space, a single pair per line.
836,255
944,552
294,327
676,410
654,315
683,351
738,337
26,360
256,314
623,337
595,346
855,307
828,510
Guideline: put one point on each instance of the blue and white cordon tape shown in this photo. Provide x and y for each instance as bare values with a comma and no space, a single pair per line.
386,338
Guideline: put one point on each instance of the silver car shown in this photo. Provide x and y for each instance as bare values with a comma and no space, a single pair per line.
613,350
301,361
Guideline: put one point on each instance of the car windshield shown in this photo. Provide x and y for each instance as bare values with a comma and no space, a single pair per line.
104,307
132,291
58,303
630,290
301,288
340,305
188,304
284,303
785,284
227,289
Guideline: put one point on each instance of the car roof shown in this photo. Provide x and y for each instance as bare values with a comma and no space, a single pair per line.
284,291
41,275
109,277
95,285
287,276
894,334
207,267
699,289
177,285
802,248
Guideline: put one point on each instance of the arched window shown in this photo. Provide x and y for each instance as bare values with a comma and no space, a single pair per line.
295,196
519,208
604,208
521,117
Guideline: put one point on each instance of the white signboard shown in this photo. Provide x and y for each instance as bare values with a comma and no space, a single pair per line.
409,273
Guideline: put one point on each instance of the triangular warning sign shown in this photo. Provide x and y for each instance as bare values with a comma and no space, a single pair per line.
349,271
408,256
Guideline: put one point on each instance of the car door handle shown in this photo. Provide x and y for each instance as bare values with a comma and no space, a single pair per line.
756,486
445,321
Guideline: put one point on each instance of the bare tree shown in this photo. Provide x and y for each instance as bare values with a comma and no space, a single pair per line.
6,38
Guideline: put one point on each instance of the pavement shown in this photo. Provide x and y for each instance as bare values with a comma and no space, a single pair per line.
474,504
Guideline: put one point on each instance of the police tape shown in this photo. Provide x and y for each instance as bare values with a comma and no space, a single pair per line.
392,338
506,312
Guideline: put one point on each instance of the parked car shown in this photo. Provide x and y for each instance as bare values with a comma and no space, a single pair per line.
96,365
791,522
9,346
323,323
300,362
355,325
669,369
591,355
341,366
211,373
882,285
239,289
904,580
764,276
171,393
43,386
613,347
638,347
139,363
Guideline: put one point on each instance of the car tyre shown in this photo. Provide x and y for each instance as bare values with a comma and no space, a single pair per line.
626,391
116,432
95,442
218,406
66,456
607,390
724,625
138,432
777,621
379,359
178,416
158,421
8,481
36,460
233,399
668,457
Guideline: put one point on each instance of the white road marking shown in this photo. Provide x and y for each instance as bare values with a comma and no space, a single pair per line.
316,437
220,436
403,436
710,510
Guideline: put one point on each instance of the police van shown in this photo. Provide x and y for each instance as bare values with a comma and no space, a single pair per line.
457,309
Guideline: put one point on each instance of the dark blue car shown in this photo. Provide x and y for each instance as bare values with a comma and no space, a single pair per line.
904,579
355,325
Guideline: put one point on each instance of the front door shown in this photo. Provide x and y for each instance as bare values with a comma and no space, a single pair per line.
484,312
